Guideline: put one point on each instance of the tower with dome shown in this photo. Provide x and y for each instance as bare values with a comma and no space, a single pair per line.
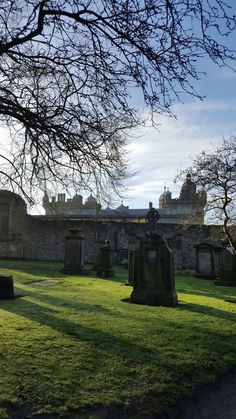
188,207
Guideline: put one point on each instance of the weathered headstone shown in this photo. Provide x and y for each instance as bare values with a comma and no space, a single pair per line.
205,266
154,273
74,252
152,270
105,261
6,287
227,270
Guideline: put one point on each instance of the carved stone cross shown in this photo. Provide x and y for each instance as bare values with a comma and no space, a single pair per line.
152,216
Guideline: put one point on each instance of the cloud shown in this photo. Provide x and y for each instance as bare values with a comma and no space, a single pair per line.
158,154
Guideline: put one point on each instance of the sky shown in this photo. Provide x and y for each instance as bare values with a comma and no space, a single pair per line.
157,155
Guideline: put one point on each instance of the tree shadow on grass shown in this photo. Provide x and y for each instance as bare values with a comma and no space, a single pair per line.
61,303
35,272
50,316
101,339
48,273
210,290
221,294
100,309
109,345
104,345
209,311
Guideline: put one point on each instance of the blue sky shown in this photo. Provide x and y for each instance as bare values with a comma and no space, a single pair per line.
200,125
157,155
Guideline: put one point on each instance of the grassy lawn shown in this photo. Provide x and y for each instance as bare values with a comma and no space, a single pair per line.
72,346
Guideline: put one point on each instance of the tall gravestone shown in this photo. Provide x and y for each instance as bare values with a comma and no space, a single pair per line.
205,266
74,252
104,261
153,269
227,270
208,258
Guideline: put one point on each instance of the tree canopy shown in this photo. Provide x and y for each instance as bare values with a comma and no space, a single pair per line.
68,69
215,171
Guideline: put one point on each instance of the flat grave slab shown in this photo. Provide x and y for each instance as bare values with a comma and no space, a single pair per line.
44,283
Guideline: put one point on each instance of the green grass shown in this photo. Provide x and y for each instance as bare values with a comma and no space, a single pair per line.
77,347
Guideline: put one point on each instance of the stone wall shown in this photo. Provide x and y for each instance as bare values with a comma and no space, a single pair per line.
12,224
44,238
11,249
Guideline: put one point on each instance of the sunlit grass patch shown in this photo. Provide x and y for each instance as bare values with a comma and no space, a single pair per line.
77,345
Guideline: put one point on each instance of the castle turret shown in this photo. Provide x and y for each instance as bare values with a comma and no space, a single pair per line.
188,190
122,209
164,198
92,204
77,200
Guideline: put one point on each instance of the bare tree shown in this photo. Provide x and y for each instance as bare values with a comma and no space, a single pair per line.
68,68
216,172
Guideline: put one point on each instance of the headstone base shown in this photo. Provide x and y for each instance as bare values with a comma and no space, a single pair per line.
75,271
105,274
161,299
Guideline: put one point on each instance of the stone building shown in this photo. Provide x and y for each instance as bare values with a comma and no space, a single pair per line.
75,206
189,207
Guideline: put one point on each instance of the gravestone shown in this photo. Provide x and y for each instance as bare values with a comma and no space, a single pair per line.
227,270
104,268
74,252
6,287
152,270
205,266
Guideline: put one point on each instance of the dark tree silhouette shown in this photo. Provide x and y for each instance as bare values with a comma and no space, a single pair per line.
68,68
215,171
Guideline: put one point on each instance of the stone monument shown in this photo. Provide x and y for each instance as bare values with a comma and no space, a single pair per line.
153,269
6,287
208,258
227,270
205,266
104,261
74,252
